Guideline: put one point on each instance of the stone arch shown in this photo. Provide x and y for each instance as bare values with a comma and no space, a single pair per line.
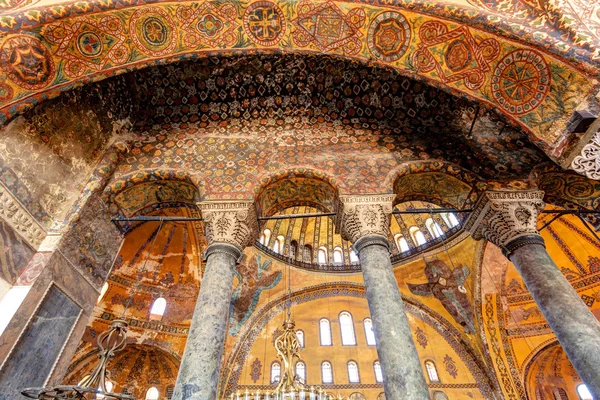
296,187
230,371
417,27
437,182
143,191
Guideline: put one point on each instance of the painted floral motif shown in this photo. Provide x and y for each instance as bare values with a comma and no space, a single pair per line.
450,366
27,62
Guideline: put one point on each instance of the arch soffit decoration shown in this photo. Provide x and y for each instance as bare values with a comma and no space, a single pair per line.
438,182
230,373
71,47
299,186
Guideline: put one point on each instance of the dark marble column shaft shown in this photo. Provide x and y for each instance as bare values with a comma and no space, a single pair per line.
198,376
402,372
576,328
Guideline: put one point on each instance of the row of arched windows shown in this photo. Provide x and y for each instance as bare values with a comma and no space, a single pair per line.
346,331
151,394
417,235
326,372
307,253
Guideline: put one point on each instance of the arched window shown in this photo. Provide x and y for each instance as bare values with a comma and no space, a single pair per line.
369,333
158,308
301,371
102,292
347,329
338,255
353,257
278,245
109,388
417,236
152,394
437,395
322,255
275,372
265,237
307,254
453,220
293,249
401,243
326,372
584,392
560,394
325,332
353,375
431,371
300,336
378,373
434,228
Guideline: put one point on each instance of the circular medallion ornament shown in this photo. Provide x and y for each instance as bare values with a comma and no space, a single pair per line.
27,62
521,81
388,36
6,92
89,44
264,23
153,32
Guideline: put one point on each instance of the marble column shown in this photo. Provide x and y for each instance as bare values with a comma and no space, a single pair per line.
509,220
229,228
365,220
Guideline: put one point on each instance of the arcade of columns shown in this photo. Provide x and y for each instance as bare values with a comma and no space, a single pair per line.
505,218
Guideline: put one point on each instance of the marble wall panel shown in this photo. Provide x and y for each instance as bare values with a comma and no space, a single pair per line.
15,253
34,356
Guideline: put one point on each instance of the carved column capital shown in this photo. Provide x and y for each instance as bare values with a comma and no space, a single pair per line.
359,216
230,222
507,219
588,162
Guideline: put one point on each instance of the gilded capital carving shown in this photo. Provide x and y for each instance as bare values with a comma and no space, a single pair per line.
15,214
231,222
359,216
588,163
501,217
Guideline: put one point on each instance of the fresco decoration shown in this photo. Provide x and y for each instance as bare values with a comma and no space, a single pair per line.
102,46
133,199
435,187
254,276
295,190
447,286
231,371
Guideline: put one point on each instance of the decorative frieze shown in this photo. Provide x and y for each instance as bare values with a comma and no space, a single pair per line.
502,217
588,163
359,216
15,214
231,222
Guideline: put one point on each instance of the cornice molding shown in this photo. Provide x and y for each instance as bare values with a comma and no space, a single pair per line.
502,217
363,215
230,222
17,216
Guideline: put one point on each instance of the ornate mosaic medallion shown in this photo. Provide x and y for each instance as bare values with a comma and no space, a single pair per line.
521,81
153,31
264,23
27,62
389,36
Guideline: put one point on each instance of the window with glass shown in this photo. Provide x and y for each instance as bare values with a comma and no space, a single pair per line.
584,392
417,236
369,332
301,371
434,228
401,243
326,372
159,306
265,237
300,336
322,255
109,388
278,245
353,257
293,249
338,255
378,373
353,375
152,394
347,329
307,254
431,371
275,372
453,220
437,395
325,332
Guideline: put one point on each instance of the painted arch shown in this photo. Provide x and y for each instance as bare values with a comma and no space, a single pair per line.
52,49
